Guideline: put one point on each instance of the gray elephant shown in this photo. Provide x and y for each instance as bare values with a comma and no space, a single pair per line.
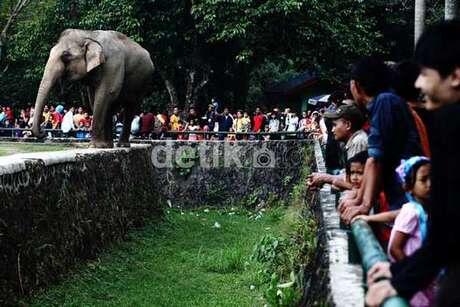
117,71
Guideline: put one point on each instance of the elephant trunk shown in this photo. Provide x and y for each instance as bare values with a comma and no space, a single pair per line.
53,71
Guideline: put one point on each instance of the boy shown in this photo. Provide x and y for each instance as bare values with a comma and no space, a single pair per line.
437,52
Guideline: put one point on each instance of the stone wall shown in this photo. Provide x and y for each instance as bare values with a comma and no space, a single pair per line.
61,207
335,281
221,173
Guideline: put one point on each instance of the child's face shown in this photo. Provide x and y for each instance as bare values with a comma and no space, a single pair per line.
422,185
356,174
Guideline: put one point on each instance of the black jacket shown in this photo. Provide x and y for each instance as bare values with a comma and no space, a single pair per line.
442,248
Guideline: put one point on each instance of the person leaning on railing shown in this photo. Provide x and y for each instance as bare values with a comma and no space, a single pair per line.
392,137
437,52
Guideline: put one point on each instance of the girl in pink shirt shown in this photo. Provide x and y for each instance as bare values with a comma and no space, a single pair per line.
410,226
410,222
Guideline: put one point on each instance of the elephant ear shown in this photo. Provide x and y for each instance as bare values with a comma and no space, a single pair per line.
94,55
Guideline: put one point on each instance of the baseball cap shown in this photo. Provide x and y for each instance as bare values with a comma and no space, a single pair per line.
349,112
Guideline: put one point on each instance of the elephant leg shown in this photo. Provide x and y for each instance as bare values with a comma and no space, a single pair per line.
128,116
105,96
90,93
102,121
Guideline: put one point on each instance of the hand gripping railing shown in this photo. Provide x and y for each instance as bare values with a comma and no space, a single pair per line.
372,252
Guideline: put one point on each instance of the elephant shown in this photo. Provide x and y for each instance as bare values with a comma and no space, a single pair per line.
117,72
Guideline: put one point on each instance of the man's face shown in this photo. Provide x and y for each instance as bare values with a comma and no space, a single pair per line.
341,129
226,111
80,110
438,91
176,111
257,110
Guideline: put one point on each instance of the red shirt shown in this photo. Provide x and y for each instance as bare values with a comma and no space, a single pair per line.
258,122
147,122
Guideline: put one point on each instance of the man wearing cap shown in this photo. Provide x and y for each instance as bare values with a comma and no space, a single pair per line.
348,121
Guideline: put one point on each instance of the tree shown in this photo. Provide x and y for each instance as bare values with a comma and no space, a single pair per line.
419,19
450,9
14,10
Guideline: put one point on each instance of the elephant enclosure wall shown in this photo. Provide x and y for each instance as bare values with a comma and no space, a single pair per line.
225,173
59,208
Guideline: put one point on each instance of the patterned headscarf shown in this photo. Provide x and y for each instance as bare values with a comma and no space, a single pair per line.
405,168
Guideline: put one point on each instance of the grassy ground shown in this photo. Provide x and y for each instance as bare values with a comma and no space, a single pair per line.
9,148
194,258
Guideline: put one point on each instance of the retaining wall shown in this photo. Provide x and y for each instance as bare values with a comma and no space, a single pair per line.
222,173
336,281
61,207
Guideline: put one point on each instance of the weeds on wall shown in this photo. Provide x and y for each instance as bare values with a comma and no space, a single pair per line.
284,258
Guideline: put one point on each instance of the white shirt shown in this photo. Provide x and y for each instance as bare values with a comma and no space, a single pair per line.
67,122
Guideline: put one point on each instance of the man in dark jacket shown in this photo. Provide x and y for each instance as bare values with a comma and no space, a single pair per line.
437,52
225,123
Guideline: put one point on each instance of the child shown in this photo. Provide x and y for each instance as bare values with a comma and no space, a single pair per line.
193,127
410,226
354,169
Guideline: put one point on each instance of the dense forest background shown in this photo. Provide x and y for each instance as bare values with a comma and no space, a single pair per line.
230,49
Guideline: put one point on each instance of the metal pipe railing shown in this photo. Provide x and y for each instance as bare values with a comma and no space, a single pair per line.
372,252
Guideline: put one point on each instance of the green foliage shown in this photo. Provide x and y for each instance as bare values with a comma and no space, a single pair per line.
234,49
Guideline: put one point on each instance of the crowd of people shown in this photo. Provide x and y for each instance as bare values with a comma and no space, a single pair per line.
400,167
76,122
227,125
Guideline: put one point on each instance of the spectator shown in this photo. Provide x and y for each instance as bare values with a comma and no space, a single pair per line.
273,123
392,137
348,121
147,124
47,118
437,52
292,123
9,114
2,115
68,121
57,117
136,125
225,123
258,120
192,115
406,74
303,123
354,170
78,116
239,124
175,120
193,126
246,122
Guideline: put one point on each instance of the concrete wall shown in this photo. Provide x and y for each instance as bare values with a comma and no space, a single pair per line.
58,208
335,281
221,173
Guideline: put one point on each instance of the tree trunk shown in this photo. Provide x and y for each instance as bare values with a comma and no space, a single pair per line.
450,9
173,99
13,15
419,19
190,82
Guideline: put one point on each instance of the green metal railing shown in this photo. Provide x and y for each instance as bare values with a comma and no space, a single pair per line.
372,252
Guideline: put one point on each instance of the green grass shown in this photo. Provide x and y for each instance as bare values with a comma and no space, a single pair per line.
9,148
183,261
